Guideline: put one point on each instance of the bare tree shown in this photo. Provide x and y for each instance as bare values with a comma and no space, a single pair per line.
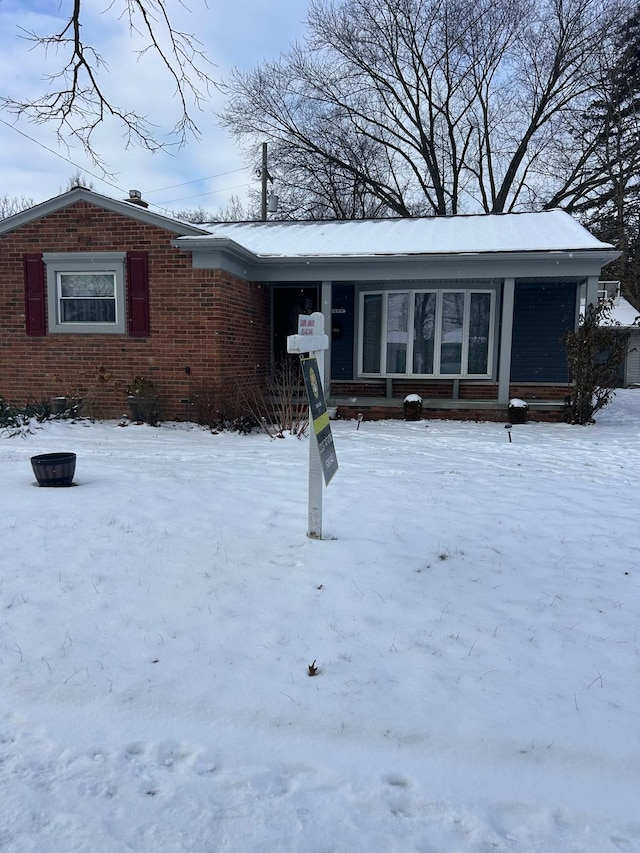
77,100
414,107
10,205
329,191
233,211
79,179
606,189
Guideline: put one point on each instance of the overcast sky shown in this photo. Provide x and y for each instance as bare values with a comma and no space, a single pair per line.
203,174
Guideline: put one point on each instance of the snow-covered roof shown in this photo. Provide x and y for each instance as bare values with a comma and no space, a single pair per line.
623,312
547,231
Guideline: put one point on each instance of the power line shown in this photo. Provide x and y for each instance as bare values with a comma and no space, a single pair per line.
197,181
159,205
61,156
201,195
120,189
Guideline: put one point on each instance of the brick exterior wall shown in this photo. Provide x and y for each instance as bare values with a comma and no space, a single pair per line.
443,390
466,412
366,388
532,392
215,324
550,396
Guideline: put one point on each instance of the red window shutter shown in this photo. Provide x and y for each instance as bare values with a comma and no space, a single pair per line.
138,288
35,296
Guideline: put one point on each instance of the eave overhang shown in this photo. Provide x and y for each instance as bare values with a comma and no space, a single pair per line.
124,208
228,255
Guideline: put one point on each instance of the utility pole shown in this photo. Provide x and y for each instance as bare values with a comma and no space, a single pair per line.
269,204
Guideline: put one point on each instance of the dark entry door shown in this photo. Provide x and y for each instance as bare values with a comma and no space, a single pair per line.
288,304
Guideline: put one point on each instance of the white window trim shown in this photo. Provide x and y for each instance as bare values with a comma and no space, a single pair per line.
439,292
88,262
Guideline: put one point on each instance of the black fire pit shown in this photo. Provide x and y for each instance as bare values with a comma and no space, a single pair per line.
54,469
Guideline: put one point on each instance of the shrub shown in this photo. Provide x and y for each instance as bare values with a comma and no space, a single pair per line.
143,399
279,403
17,419
11,418
595,353
219,409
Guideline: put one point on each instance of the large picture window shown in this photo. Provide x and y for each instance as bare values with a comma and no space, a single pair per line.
427,333
86,292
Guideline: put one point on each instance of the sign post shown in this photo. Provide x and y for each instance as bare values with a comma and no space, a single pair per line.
323,462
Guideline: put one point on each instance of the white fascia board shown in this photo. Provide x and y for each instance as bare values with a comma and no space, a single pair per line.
125,208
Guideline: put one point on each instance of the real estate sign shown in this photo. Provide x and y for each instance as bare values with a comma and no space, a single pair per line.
320,418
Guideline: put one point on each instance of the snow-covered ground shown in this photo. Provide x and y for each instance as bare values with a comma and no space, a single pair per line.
473,610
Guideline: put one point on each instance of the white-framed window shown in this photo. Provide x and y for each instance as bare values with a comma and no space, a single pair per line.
440,332
86,292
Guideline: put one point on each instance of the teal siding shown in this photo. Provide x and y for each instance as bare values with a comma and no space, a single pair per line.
543,314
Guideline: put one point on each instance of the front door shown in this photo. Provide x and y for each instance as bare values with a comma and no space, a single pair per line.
287,305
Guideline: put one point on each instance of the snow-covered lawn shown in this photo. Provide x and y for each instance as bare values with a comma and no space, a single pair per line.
474,613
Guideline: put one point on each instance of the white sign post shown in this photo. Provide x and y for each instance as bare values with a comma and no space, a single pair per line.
322,463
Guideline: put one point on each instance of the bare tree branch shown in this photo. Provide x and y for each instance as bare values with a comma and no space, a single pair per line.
77,100
455,104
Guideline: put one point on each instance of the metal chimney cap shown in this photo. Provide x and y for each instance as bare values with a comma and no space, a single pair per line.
135,197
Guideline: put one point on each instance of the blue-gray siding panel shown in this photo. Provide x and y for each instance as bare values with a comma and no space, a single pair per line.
543,314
